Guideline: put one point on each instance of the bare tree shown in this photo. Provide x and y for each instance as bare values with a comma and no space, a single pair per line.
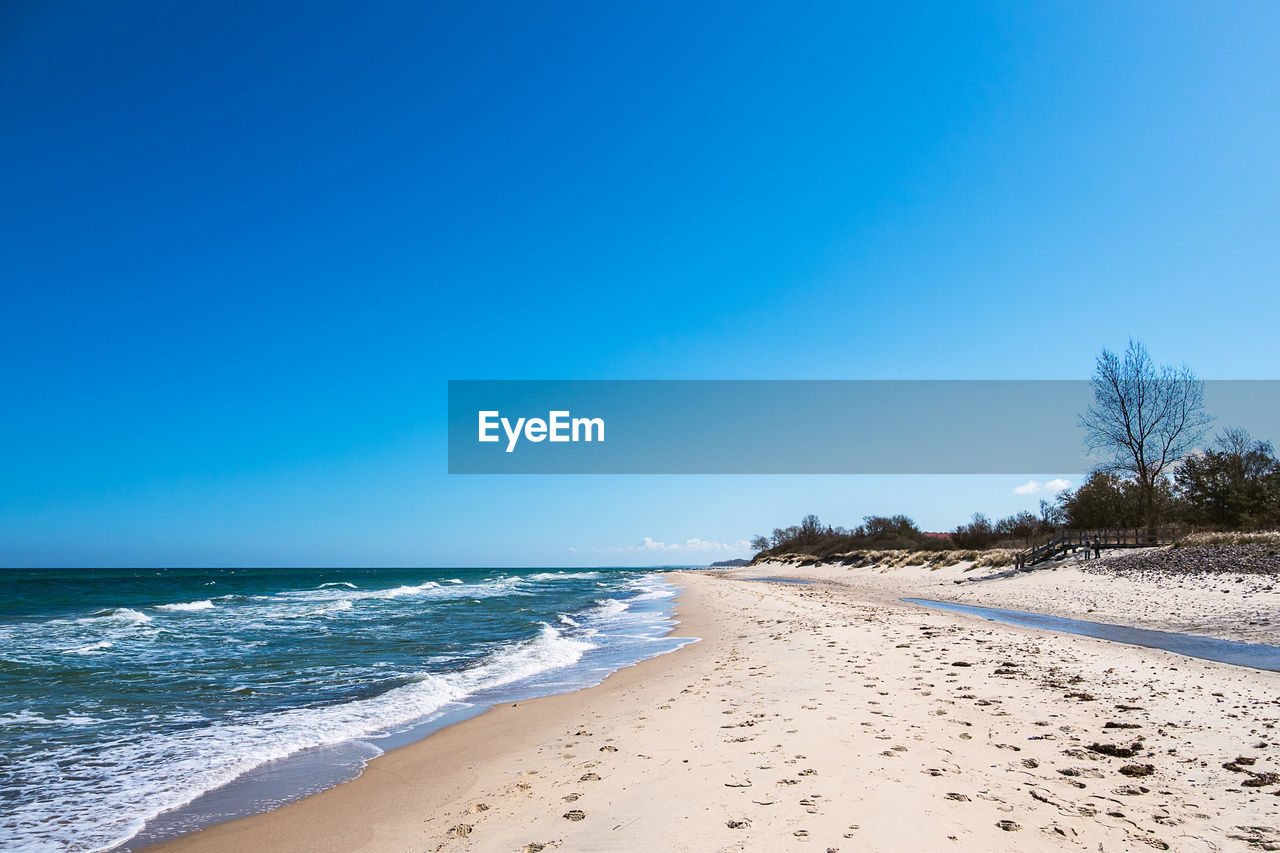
760,543
1144,418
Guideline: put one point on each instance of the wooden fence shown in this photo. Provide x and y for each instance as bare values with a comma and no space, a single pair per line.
1063,542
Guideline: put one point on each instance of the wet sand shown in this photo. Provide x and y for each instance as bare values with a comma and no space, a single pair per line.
820,717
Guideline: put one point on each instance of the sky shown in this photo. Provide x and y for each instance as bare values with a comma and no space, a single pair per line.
243,248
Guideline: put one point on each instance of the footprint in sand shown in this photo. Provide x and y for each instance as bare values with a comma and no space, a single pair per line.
607,748
462,830
575,815
589,777
571,798
478,807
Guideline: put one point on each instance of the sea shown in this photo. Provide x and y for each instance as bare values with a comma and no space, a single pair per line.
140,704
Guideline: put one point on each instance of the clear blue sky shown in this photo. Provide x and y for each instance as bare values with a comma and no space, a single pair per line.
243,249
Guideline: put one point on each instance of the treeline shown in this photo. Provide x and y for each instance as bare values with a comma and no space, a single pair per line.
899,532
1016,531
877,532
1233,485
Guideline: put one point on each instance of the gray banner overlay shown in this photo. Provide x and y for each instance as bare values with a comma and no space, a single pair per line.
796,426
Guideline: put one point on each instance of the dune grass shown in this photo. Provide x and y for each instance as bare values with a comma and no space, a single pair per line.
1263,537
892,559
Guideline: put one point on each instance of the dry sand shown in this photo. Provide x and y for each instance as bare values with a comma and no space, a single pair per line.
822,717
1229,605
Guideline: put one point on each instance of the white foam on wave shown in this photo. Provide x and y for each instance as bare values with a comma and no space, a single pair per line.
25,718
562,576
397,592
118,615
339,597
30,718
638,613
551,649
488,588
608,607
331,608
186,606
31,643
284,604
650,587
89,649
140,777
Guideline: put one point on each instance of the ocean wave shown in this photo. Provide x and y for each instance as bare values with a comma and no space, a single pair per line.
186,606
339,597
119,615
550,649
447,589
650,587
328,609
399,591
563,576
489,588
30,718
25,718
89,649
127,780
608,607
141,777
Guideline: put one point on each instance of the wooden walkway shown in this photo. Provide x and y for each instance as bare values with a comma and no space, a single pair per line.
1064,542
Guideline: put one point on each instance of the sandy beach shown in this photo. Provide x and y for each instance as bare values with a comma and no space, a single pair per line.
1230,605
830,716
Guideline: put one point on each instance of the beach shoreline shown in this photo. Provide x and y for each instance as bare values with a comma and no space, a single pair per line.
817,717
425,774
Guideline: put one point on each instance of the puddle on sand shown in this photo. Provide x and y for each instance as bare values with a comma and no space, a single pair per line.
1253,655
